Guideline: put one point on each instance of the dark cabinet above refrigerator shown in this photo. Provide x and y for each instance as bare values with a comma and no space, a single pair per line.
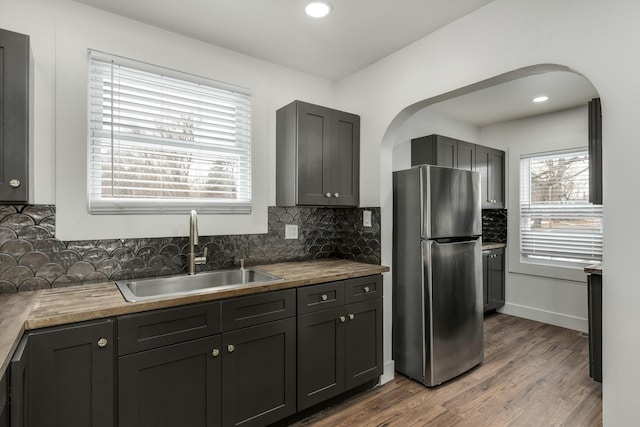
449,152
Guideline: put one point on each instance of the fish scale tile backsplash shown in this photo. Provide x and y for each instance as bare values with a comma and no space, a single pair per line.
494,225
32,258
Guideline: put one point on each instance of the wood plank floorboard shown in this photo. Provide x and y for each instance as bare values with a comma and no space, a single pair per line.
533,374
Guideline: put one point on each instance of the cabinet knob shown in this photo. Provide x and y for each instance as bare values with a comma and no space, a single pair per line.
328,195
352,316
366,289
215,352
342,319
336,195
15,183
324,297
230,348
102,342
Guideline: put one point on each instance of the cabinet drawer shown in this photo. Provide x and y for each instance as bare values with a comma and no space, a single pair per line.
144,331
255,309
320,297
363,288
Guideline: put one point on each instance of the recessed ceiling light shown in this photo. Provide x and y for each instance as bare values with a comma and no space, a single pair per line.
540,99
318,9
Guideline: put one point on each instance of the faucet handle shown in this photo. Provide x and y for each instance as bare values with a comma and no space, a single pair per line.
199,260
241,263
204,254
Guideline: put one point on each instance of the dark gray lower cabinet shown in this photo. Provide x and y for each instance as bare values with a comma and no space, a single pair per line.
259,374
594,293
4,402
176,385
493,278
64,377
338,348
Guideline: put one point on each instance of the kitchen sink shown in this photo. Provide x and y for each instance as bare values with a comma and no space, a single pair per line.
161,287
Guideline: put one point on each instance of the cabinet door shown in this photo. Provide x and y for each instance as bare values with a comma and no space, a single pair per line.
14,116
4,406
363,342
258,376
314,153
496,173
485,279
20,385
173,386
466,156
483,162
72,375
321,363
345,159
446,151
496,278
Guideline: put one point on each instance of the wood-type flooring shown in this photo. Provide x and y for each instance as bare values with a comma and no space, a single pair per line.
533,374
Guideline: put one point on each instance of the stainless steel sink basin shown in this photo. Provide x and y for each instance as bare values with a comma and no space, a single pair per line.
161,287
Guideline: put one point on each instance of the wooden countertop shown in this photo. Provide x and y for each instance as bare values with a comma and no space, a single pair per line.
491,245
594,268
52,307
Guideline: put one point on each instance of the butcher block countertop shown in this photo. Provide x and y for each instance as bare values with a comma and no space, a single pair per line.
53,307
490,245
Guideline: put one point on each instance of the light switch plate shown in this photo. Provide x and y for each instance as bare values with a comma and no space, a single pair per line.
290,231
366,218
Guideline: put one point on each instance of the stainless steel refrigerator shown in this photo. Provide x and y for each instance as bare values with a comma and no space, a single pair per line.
437,273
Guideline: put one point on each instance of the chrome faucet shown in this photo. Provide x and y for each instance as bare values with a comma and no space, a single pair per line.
193,242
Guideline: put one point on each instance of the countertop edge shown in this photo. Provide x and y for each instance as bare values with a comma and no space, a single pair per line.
46,308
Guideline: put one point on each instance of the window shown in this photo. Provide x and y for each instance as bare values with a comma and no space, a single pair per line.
557,223
161,141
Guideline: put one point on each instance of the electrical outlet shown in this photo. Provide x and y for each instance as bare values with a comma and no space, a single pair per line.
366,218
290,231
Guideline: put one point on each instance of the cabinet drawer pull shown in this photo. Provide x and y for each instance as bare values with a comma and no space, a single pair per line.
366,289
328,195
324,297
215,352
230,348
336,195
102,342
352,316
14,183
342,319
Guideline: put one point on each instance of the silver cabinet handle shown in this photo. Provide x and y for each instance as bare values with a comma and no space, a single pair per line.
342,319
352,316
328,195
102,342
215,352
366,289
336,195
324,297
15,183
230,348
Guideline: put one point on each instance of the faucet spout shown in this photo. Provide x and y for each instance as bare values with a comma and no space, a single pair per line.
193,242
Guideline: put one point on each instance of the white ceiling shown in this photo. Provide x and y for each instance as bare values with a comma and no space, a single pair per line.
356,34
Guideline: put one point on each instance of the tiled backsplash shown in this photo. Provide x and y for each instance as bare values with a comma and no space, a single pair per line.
494,225
32,258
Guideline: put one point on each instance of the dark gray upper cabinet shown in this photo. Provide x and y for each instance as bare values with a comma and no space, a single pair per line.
595,151
64,377
317,156
493,278
14,117
490,164
444,151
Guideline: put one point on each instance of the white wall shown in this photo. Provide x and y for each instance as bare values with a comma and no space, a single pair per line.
548,294
61,32
596,38
427,122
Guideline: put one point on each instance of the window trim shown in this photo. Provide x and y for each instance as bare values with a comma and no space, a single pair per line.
97,206
516,263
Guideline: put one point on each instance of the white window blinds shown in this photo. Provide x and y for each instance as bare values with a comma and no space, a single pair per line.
557,223
165,142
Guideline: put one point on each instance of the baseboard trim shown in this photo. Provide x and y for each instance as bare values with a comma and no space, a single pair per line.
544,316
388,372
